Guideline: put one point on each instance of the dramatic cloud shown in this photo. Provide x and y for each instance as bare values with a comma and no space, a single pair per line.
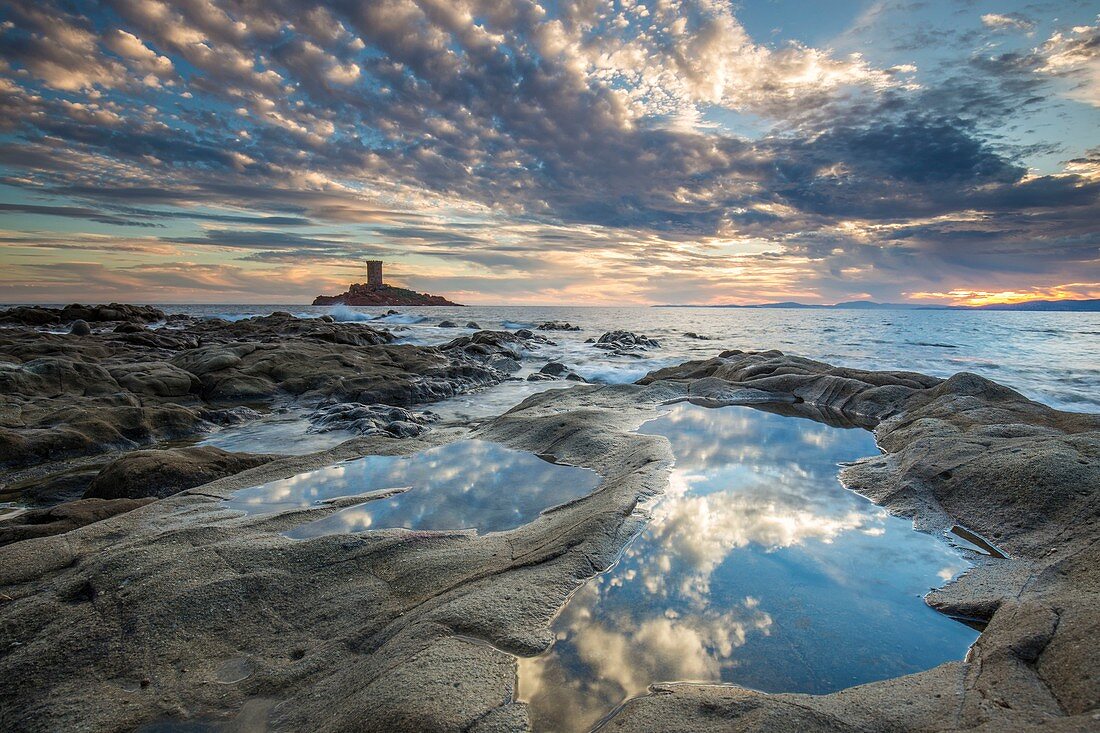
522,151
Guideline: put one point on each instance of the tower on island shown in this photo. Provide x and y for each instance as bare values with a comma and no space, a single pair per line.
374,273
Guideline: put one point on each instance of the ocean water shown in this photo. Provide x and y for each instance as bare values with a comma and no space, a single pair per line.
1050,357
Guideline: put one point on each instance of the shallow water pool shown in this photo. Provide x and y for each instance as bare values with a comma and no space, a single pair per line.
757,568
467,484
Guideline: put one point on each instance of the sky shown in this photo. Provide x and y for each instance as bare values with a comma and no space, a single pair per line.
575,153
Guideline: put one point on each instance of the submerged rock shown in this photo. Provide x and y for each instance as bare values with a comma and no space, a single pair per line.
557,326
370,420
473,325
161,473
447,324
693,335
555,370
624,343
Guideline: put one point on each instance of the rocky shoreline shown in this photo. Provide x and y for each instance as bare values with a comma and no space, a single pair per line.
180,610
73,397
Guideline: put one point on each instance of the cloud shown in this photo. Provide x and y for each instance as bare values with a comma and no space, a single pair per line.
656,139
1008,21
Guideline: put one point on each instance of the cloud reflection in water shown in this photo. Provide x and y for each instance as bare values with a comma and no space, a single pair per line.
469,483
757,568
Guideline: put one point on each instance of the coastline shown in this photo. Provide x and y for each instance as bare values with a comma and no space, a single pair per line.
190,584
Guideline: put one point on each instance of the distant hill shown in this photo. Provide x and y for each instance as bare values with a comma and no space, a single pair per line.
1091,306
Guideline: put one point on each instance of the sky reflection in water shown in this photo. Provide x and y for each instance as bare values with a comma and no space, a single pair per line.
757,568
470,483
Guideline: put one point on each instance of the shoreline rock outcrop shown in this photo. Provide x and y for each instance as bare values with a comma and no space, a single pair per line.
211,615
65,397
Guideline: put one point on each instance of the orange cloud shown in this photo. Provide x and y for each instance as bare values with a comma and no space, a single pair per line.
1069,291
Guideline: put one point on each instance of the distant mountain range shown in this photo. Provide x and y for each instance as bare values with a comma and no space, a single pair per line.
1090,306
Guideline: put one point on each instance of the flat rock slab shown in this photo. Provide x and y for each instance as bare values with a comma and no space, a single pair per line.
137,618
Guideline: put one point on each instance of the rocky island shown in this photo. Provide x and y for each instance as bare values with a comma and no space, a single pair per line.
376,292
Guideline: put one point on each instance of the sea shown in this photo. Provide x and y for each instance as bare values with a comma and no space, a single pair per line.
1053,358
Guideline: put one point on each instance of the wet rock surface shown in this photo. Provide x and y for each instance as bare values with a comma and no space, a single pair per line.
625,342
371,420
159,473
555,370
65,397
41,316
557,326
398,630
64,518
499,350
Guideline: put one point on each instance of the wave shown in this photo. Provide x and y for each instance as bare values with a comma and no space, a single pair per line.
402,318
231,317
347,314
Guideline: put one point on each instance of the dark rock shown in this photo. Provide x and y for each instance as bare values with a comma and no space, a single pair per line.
392,312
557,326
128,327
31,316
447,324
64,518
111,312
156,378
161,473
360,294
473,325
62,397
625,341
230,415
80,328
693,335
328,319
356,417
555,370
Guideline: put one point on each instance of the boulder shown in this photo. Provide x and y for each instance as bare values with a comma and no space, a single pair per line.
111,312
356,417
80,328
30,316
447,324
555,370
557,326
623,341
155,378
161,473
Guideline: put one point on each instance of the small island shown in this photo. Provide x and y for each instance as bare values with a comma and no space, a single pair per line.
376,292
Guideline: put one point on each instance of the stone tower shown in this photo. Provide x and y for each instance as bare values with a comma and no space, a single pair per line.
374,273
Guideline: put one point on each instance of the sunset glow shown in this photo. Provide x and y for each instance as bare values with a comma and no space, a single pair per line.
684,151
